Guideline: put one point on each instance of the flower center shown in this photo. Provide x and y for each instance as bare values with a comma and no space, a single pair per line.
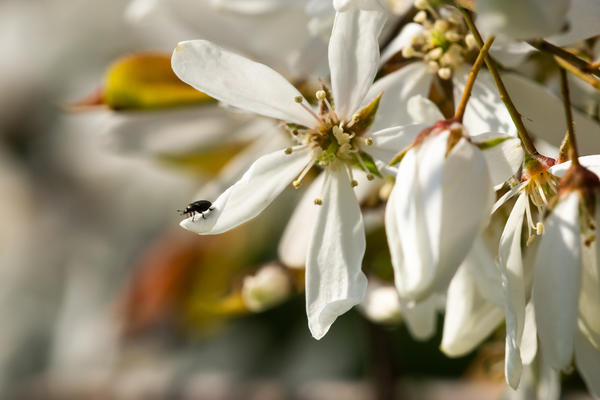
444,42
333,141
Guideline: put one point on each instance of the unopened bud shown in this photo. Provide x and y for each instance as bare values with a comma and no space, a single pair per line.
268,287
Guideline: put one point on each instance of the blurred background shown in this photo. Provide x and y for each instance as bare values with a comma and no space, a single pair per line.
102,295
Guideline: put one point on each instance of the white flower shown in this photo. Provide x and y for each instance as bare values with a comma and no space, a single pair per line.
441,201
332,139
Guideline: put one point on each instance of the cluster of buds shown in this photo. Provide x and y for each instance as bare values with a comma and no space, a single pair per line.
443,43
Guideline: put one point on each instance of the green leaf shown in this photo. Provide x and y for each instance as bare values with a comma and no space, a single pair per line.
488,144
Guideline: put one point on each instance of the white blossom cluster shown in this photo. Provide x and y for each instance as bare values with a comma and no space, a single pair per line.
476,218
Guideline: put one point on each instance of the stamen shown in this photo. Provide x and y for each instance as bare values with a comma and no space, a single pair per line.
539,229
307,168
369,141
288,151
318,201
445,73
299,100
321,95
353,182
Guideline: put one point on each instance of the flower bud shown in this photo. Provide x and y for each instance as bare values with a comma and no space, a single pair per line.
267,288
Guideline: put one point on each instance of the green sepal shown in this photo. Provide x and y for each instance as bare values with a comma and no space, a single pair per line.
368,162
488,144
365,117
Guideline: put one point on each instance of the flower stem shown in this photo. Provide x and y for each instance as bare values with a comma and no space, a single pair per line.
564,89
526,140
462,106
587,78
567,56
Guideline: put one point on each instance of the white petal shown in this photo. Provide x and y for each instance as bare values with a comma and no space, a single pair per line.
590,162
392,231
255,190
549,382
543,114
387,143
557,282
522,19
467,200
583,17
503,159
589,299
294,241
469,318
353,57
345,5
403,39
421,318
398,87
485,111
237,81
587,358
510,263
508,195
418,202
334,278
529,339
481,262
423,111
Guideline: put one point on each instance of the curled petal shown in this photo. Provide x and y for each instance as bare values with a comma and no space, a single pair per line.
469,318
398,87
421,318
510,263
354,57
334,278
387,143
503,154
238,81
557,282
587,358
255,190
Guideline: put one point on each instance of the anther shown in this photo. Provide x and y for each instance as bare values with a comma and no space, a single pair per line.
445,73
421,4
369,141
298,99
441,25
470,41
321,95
370,177
539,229
296,184
408,52
353,183
288,150
318,201
420,17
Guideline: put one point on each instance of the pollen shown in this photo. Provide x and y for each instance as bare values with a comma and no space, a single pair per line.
539,229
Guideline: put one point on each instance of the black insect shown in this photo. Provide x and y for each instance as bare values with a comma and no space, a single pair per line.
200,207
